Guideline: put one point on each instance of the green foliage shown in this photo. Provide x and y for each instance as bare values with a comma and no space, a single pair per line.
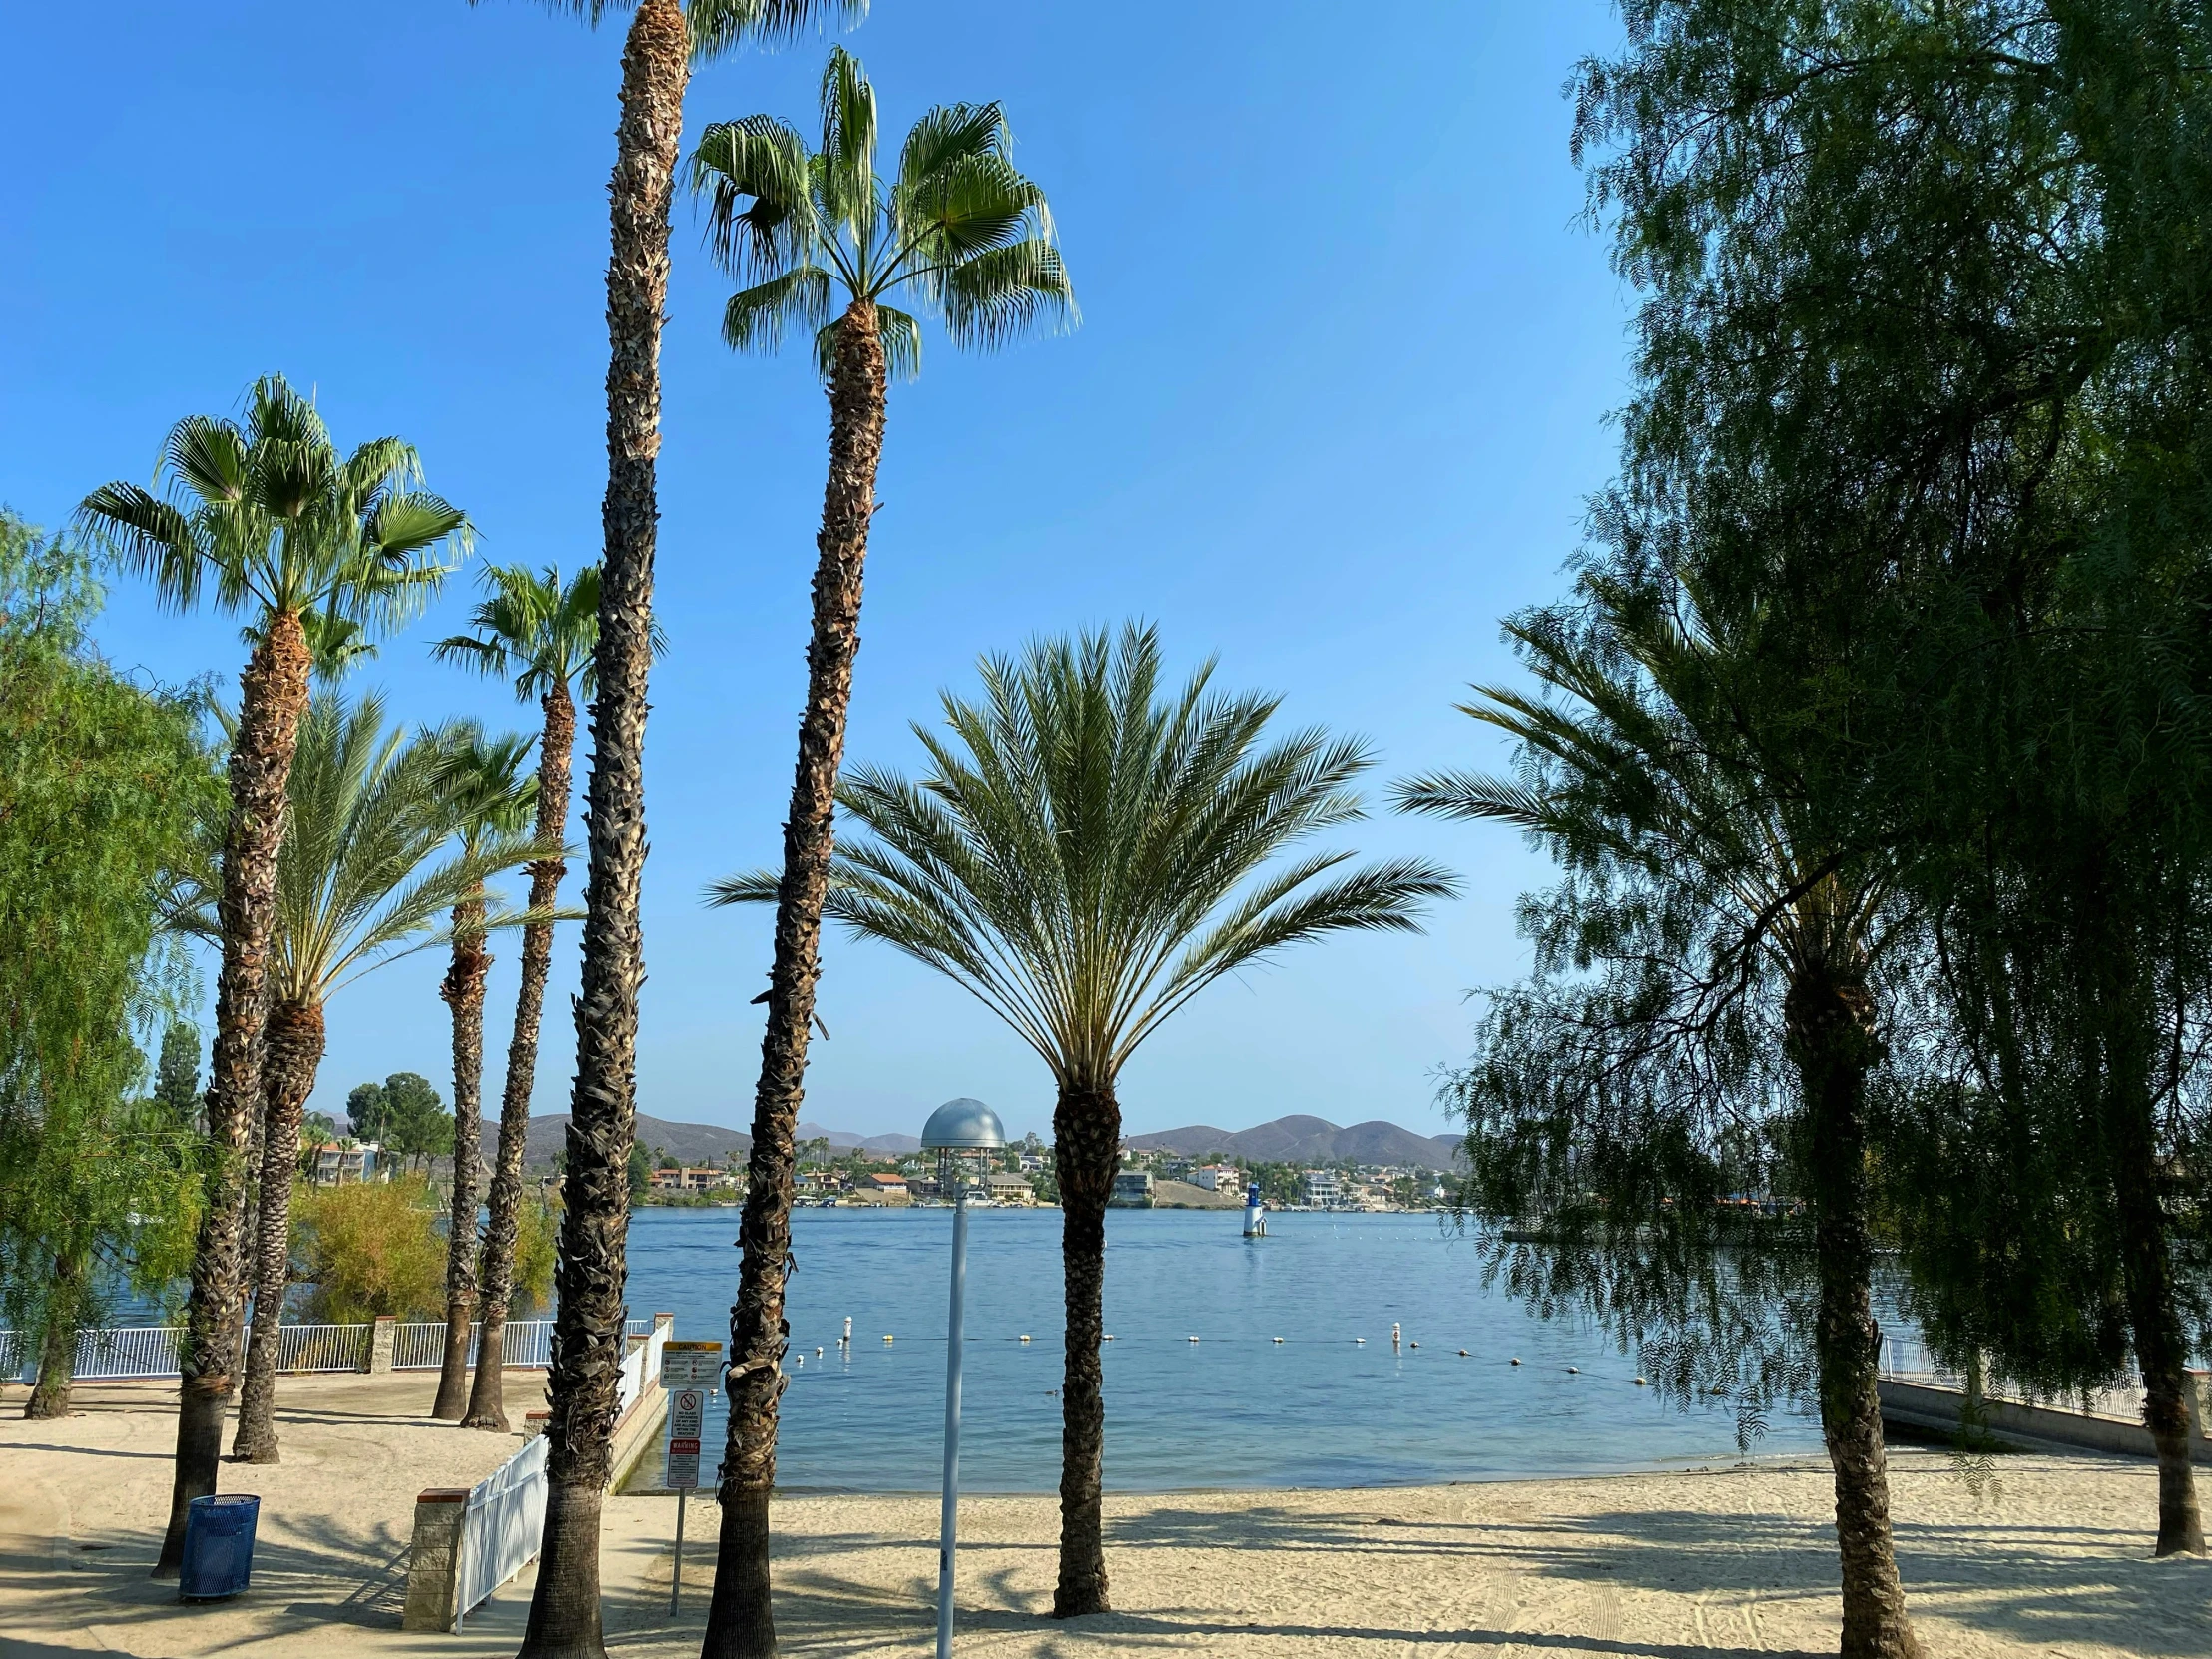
537,1230
405,1114
177,1076
99,783
529,625
640,1170
278,521
369,1249
1086,856
956,224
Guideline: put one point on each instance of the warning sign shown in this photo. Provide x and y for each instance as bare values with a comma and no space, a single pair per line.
687,1414
691,1365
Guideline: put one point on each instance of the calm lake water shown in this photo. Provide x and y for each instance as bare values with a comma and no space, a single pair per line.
1233,1409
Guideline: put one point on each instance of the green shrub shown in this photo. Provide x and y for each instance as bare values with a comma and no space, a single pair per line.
371,1248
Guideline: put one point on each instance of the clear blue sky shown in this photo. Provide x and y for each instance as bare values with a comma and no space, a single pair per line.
1336,407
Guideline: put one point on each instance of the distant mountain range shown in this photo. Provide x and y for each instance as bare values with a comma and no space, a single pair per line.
1306,1140
687,1143
1291,1140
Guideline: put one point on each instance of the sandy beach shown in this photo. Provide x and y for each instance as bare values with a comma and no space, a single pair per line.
1735,1561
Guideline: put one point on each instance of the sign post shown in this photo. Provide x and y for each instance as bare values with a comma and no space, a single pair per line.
687,1371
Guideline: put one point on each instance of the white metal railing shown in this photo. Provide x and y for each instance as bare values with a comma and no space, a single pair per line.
128,1350
322,1348
1908,1359
151,1349
641,1367
500,1532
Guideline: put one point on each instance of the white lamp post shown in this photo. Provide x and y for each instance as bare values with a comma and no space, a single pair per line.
958,1126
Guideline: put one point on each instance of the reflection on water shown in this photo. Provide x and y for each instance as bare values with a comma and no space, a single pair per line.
1234,1409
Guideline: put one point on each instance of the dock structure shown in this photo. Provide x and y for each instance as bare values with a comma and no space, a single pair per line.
1921,1397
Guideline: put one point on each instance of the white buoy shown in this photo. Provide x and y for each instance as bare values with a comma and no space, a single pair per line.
1189,1339
1412,1345
848,1337
1574,1370
1362,1341
1279,1338
1394,1333
1463,1354
887,1337
1025,1336
1641,1383
1516,1358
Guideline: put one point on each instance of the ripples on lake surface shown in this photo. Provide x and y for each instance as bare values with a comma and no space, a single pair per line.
1232,1410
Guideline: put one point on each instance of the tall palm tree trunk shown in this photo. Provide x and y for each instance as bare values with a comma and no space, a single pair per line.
292,1054
272,695
740,1624
57,1355
464,993
1086,1145
487,1405
587,1328
1831,1038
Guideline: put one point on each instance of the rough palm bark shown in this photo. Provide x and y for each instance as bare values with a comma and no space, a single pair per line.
1086,1134
1831,1040
293,1053
487,1405
463,992
57,1358
272,695
740,1621
588,1324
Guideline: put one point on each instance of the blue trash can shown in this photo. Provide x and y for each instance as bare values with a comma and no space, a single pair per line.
219,1546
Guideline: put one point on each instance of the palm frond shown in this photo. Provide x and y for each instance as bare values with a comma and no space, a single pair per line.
759,214
1084,853
721,26
1003,294
756,319
844,181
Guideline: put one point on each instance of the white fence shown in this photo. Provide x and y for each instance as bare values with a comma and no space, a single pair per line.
151,1349
1908,1359
322,1346
500,1532
640,1366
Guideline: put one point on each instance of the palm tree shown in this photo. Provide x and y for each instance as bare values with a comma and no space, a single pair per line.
542,633
1085,858
300,541
1707,981
356,889
487,796
664,38
825,243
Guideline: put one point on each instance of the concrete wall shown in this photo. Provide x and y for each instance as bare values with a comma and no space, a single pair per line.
1934,1410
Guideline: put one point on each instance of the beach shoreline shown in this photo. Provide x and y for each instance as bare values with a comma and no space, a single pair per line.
1737,1560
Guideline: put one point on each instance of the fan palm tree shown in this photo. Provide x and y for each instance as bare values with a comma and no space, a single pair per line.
356,889
1714,923
305,543
824,244
1085,856
663,41
488,796
538,630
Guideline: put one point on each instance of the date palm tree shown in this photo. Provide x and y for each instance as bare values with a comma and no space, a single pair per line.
541,631
663,41
356,889
1085,856
301,541
823,243
488,796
